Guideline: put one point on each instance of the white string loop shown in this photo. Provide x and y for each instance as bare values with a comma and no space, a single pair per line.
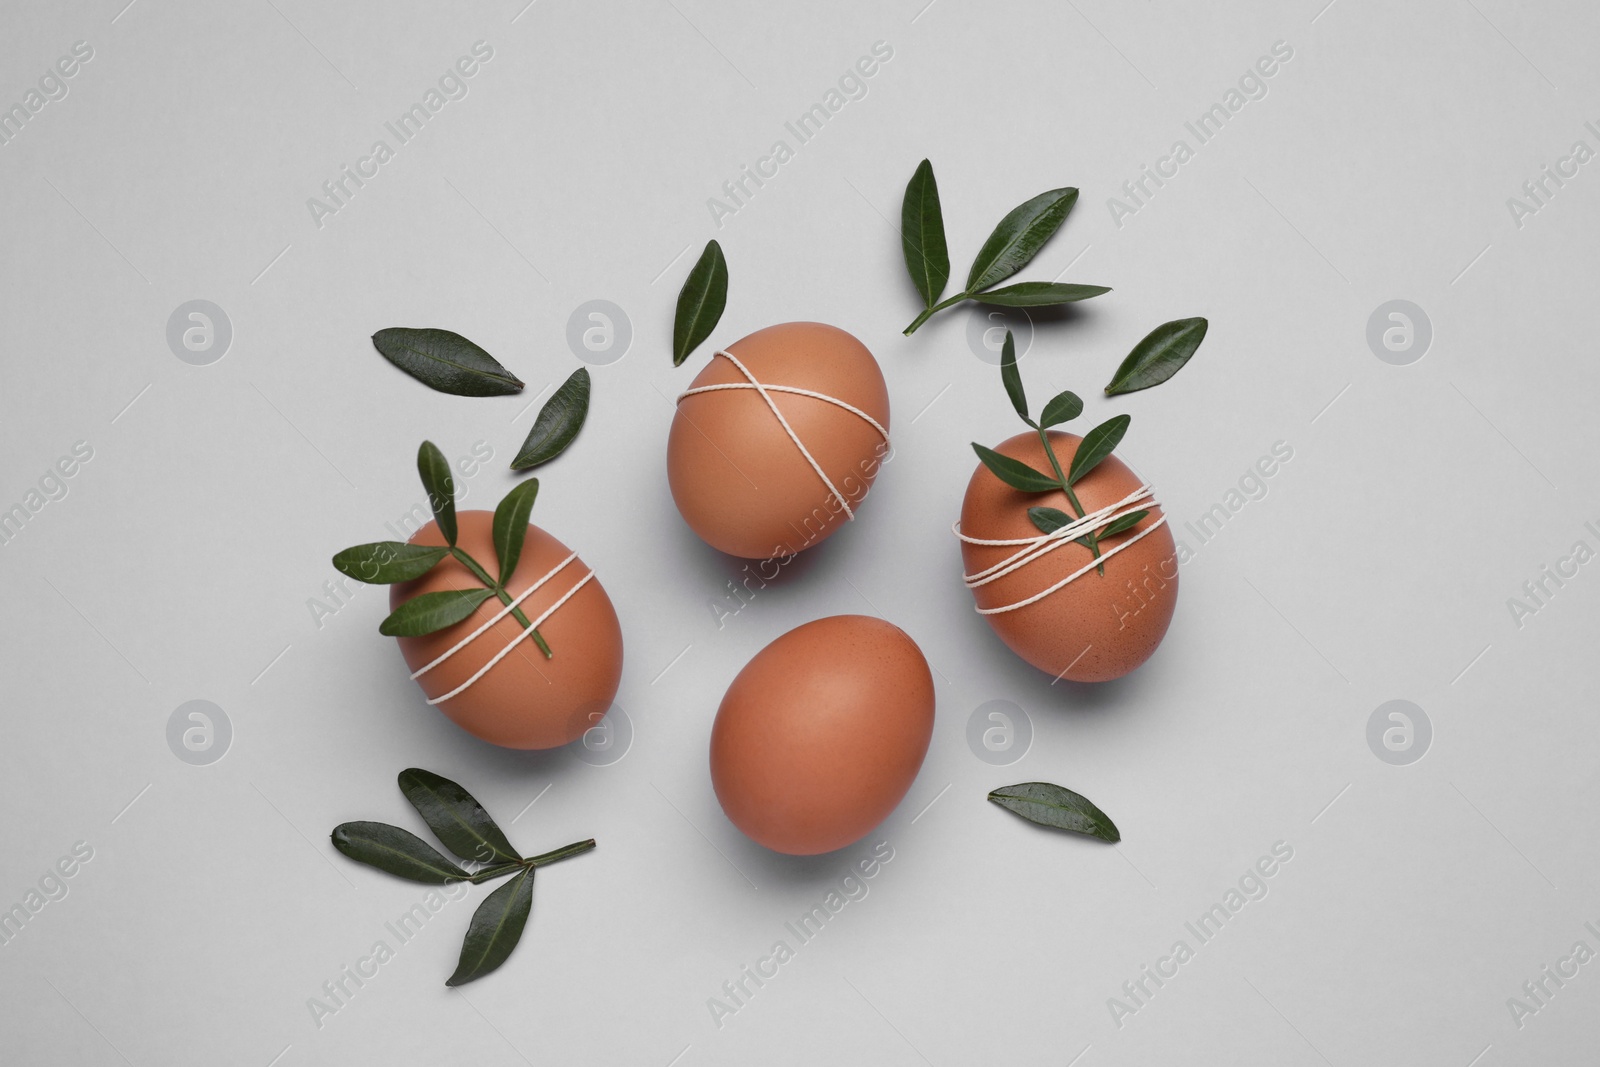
502,613
1035,547
766,392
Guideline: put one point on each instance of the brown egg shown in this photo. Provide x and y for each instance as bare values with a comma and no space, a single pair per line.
524,700
740,481
1094,628
822,733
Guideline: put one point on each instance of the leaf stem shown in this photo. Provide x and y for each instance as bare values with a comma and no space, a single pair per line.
928,313
1055,465
557,855
1091,538
505,597
494,872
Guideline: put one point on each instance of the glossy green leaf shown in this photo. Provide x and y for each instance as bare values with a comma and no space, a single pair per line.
1058,807
387,562
922,235
511,525
1049,520
1063,407
440,486
495,929
1127,522
1096,445
432,611
1013,472
700,302
558,423
1019,236
1012,379
399,852
1039,294
1159,356
455,817
445,361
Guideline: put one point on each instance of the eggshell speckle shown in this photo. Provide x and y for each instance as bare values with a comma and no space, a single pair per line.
525,700
1095,628
737,478
822,733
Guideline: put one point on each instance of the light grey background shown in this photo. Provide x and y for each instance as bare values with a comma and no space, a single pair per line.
1420,498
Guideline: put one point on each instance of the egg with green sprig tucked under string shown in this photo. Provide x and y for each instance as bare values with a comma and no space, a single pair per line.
1067,611
1068,555
505,629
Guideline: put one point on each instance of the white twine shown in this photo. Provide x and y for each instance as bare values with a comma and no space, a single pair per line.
766,391
1034,547
502,613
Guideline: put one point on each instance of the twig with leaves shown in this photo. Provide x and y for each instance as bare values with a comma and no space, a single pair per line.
1012,245
466,829
1152,361
387,562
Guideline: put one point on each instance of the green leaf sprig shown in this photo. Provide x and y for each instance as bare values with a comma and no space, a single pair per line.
1012,245
466,829
1057,807
388,562
1153,360
700,302
1096,445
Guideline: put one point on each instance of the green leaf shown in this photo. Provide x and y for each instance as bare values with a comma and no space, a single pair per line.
700,302
1127,522
1015,473
558,423
495,929
455,817
1096,445
1019,237
1053,805
511,525
445,361
387,562
922,235
1159,356
1063,407
1049,520
1013,380
399,852
440,487
1039,294
432,611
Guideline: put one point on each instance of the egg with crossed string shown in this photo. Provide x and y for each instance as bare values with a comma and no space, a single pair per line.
778,439
490,677
1044,595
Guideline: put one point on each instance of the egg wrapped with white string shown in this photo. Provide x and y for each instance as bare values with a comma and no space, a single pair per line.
1049,598
778,440
506,630
488,673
